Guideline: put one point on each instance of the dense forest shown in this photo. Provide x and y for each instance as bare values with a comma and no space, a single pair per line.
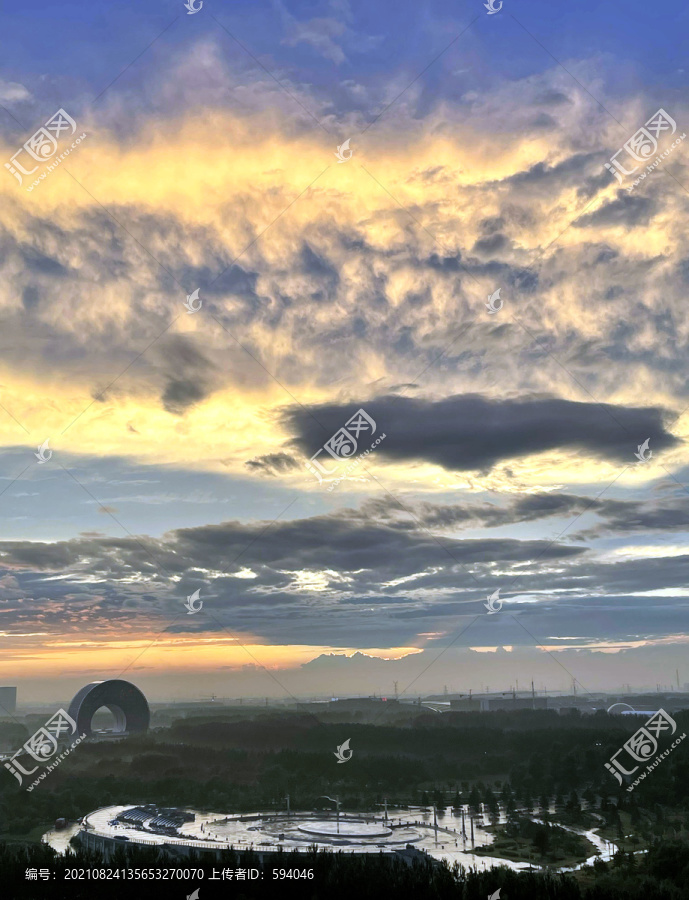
525,764
248,763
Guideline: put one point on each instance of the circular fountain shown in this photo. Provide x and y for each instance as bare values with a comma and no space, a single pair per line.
345,829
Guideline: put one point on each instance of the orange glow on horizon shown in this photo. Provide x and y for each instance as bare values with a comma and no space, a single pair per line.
84,657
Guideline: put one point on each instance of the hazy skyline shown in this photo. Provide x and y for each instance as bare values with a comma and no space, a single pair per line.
180,438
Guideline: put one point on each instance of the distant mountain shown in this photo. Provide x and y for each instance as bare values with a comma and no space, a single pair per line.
342,662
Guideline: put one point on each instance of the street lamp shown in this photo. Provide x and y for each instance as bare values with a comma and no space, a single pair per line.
336,801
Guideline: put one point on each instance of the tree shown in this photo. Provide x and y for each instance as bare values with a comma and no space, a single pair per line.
541,839
573,804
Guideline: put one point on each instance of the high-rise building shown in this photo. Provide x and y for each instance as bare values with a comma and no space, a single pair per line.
8,701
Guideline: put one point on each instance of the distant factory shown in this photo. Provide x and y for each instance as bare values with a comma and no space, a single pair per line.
507,701
586,704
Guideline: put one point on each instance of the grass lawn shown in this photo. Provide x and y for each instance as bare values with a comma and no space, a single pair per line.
520,849
31,837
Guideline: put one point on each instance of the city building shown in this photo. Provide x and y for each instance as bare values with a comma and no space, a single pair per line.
8,701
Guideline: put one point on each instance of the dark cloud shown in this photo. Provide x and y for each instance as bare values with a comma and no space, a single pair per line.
42,264
628,210
179,394
273,463
569,171
529,508
407,515
336,542
492,224
317,265
445,263
552,97
387,579
30,297
620,516
107,579
470,432
493,244
544,122
186,372
616,516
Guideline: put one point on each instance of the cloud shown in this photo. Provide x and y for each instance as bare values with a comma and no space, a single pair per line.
181,393
273,463
320,34
327,281
329,562
451,516
352,579
621,517
322,283
473,433
628,211
12,92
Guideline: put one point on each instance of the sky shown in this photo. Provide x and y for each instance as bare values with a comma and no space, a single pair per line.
275,237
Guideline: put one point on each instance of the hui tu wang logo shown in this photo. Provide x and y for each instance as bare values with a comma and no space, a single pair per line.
42,746
191,601
342,152
643,454
492,306
42,146
189,5
44,452
642,746
492,9
193,302
494,602
344,444
342,750
642,146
